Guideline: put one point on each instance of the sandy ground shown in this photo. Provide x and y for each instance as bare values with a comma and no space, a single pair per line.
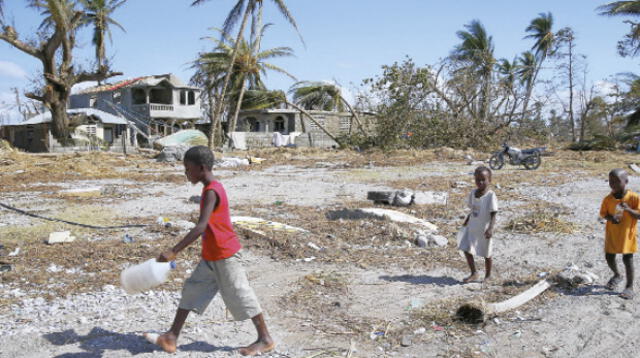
370,307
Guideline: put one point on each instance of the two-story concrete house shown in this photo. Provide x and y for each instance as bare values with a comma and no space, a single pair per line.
157,104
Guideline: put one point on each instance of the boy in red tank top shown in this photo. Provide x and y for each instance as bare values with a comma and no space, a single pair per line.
220,268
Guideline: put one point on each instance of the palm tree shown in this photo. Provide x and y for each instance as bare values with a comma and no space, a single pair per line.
242,8
249,66
98,13
476,50
631,44
322,95
541,31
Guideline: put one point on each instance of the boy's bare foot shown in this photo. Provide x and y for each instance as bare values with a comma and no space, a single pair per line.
258,347
487,279
471,278
613,282
165,341
627,294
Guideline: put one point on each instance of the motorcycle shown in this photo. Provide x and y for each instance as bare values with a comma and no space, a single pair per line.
530,158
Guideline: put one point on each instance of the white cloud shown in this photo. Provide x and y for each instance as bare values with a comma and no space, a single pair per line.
12,70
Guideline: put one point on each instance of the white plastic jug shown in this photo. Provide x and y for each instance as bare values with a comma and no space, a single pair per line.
146,275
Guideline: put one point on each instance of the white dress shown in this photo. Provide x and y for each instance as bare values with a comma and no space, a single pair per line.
473,241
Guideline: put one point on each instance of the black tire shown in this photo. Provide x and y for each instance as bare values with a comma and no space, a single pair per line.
496,162
533,161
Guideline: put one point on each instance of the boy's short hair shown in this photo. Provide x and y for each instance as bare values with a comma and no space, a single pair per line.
200,155
481,169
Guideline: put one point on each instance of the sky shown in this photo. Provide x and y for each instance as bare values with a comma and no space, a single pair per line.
346,40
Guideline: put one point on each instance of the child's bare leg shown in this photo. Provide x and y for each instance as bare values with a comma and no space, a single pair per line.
168,341
472,266
615,280
627,259
264,343
488,261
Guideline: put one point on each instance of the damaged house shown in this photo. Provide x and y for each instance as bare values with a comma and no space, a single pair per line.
158,105
282,127
91,129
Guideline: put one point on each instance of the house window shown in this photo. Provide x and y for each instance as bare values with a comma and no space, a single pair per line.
253,124
183,97
91,131
192,98
278,124
138,96
117,97
345,123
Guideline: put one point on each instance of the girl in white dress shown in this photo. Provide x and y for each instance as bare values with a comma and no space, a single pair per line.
479,224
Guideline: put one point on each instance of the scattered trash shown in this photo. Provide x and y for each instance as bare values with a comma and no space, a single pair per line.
405,341
496,320
231,162
278,203
428,239
517,334
375,334
314,246
543,274
127,239
395,198
60,237
260,226
437,328
430,197
162,221
420,330
81,192
255,160
635,168
5,268
460,184
53,268
309,259
573,276
14,252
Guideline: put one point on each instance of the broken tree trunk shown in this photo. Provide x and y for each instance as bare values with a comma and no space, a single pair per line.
477,312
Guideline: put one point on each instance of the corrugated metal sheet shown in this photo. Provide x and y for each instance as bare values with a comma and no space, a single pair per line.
104,117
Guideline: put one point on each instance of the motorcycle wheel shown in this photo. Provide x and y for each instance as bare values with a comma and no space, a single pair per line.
496,162
533,161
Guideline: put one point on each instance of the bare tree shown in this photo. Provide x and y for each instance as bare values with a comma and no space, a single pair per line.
54,50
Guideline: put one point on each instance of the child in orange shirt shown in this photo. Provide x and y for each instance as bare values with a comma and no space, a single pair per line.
620,209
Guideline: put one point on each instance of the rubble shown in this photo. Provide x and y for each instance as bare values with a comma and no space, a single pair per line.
173,153
377,213
60,237
573,276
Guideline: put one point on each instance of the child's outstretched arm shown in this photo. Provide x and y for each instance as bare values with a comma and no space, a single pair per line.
210,201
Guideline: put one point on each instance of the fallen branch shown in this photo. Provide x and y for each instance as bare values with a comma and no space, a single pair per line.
477,312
